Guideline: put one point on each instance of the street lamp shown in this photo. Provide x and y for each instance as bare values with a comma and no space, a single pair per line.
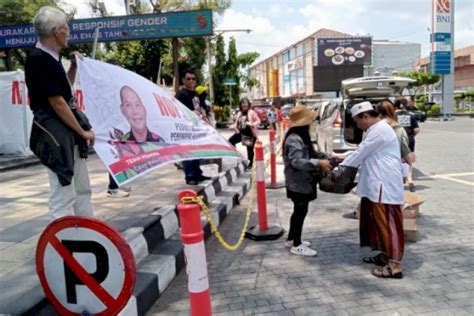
209,61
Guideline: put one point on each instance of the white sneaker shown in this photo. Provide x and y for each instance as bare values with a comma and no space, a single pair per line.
125,189
289,243
117,193
303,250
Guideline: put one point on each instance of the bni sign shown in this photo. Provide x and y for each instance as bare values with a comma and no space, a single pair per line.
440,60
119,28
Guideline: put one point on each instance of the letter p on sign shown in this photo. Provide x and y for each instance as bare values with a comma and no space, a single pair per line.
85,265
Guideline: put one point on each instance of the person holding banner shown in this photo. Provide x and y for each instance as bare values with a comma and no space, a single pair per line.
188,96
61,133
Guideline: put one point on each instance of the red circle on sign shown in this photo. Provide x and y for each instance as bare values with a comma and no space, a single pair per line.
113,305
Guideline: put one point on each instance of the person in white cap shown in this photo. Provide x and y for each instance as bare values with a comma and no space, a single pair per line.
381,190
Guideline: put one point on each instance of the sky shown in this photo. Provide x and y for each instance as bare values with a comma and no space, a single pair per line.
276,24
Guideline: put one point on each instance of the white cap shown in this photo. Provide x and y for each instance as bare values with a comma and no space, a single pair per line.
362,107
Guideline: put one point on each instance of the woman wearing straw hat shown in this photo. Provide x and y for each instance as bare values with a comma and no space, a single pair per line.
302,163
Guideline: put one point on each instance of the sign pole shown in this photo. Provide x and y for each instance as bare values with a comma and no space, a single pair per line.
94,44
448,79
174,42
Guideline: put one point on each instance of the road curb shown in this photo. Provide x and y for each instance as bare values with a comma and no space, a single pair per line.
156,245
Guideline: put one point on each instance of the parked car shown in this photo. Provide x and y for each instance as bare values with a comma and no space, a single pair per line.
262,109
337,133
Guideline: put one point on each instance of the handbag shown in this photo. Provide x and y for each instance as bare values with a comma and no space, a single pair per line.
247,141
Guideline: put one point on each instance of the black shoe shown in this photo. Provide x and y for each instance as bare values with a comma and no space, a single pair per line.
203,178
411,187
192,182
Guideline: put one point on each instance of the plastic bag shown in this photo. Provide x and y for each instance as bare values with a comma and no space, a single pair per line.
339,180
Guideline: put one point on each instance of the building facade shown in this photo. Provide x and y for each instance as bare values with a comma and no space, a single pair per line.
463,67
291,71
389,56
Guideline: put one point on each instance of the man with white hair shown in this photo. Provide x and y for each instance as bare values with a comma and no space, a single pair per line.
381,190
60,132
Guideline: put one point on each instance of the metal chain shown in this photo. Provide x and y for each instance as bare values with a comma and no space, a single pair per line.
199,200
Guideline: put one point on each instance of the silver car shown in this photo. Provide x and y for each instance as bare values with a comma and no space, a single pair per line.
337,133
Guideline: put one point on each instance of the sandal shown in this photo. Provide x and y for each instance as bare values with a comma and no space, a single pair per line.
386,273
377,260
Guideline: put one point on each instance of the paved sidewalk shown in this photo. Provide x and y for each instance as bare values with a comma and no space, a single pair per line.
264,278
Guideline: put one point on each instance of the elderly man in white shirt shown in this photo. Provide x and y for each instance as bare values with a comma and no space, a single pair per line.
381,190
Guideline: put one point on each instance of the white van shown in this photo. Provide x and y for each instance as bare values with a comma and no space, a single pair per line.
337,133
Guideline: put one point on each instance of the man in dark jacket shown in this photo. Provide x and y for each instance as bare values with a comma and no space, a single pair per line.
188,96
60,132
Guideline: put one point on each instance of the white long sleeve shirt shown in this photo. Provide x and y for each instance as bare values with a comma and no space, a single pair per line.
381,178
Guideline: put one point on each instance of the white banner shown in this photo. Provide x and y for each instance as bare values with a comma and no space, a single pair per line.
15,115
139,126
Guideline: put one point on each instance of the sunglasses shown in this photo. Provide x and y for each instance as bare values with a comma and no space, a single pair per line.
191,78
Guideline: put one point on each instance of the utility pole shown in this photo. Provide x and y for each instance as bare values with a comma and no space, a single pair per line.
174,43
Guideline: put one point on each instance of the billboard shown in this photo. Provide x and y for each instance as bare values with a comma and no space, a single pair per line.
119,28
328,78
344,51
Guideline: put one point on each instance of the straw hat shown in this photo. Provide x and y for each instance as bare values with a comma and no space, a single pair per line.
300,115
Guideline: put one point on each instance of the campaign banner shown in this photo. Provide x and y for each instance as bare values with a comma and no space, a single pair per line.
139,126
340,51
15,114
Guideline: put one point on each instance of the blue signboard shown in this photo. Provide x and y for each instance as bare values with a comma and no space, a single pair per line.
119,28
440,63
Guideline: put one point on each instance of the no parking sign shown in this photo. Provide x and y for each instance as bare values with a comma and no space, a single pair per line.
85,265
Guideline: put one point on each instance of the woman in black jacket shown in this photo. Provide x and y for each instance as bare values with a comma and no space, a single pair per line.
302,164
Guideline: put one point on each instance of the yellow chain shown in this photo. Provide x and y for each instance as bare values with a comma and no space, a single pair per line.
199,200
214,229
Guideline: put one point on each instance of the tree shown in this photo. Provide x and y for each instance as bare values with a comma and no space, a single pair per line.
245,60
421,79
219,72
14,12
232,71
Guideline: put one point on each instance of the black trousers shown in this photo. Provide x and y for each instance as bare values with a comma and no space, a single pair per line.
300,209
237,138
112,184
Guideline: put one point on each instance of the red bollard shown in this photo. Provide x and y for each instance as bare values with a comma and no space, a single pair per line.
262,231
195,253
273,172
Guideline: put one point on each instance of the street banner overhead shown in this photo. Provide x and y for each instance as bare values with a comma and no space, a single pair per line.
339,51
139,126
119,28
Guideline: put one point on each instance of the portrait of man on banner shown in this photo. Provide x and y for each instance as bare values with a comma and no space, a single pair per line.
141,126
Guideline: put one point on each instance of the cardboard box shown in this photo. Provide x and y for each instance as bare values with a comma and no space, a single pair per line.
410,229
412,204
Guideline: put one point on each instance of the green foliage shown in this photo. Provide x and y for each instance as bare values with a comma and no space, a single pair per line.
232,71
219,73
245,60
142,57
222,113
196,56
434,110
21,12
421,78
